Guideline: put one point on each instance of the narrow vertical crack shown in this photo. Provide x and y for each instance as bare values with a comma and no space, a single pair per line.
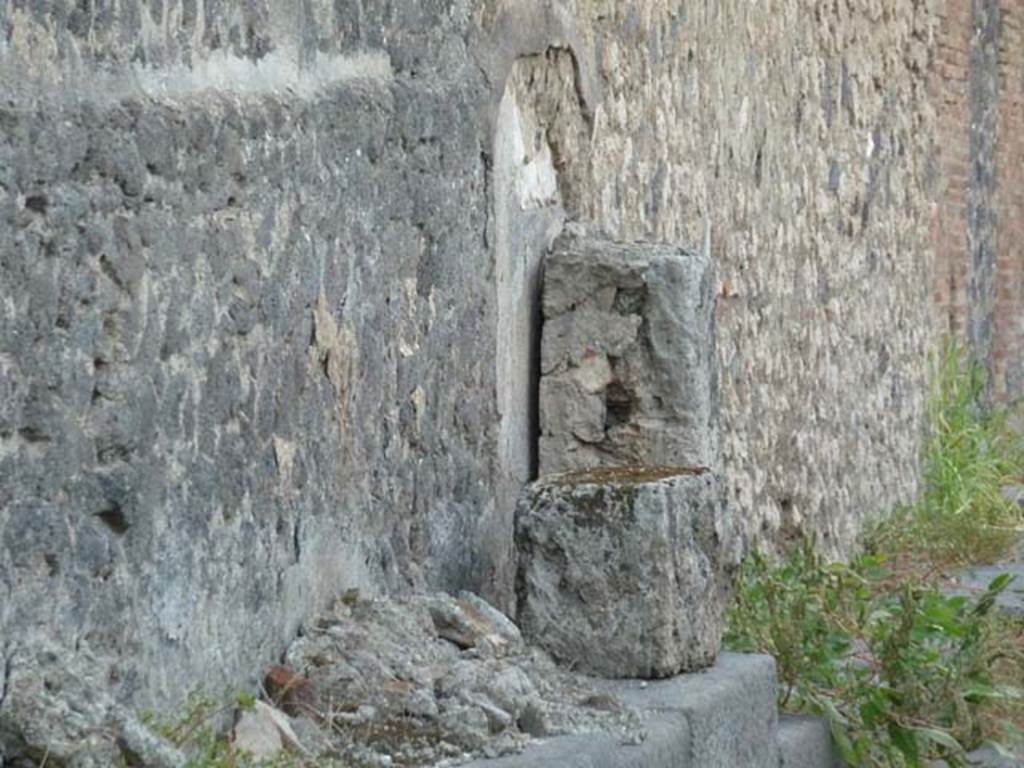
5,676
533,384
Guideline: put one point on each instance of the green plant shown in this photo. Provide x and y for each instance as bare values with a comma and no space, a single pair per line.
901,671
196,733
969,457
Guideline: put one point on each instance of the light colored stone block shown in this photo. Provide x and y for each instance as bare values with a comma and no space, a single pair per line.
627,355
623,572
724,717
729,709
666,745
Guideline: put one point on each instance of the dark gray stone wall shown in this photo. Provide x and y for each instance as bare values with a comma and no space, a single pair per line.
236,303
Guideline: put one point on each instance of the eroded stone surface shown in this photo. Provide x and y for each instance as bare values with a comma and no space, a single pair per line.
58,709
626,576
627,355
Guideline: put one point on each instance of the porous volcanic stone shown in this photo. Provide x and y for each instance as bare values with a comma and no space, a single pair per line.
627,355
623,572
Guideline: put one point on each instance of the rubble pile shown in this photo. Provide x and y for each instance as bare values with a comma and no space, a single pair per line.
429,680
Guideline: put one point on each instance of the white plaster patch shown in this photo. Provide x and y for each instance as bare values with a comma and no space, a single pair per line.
31,63
419,404
284,454
535,181
277,72
538,182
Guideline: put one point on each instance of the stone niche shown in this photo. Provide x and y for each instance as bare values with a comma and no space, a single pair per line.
627,355
539,128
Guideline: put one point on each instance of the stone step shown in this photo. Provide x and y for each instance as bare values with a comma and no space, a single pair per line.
974,580
726,716
805,742
723,717
987,757
666,745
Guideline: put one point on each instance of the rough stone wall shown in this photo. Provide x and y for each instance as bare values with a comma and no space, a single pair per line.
249,291
950,92
801,132
237,293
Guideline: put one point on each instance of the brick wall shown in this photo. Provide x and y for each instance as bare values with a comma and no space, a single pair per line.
1008,344
977,87
950,91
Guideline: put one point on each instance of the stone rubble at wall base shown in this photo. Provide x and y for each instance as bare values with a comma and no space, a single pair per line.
435,679
419,681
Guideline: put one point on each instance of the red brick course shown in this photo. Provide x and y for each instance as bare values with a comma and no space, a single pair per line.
950,87
1008,343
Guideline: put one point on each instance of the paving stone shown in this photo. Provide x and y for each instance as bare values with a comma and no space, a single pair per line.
987,757
805,742
975,580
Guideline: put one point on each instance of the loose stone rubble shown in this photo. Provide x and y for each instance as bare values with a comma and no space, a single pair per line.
430,680
263,732
60,701
624,572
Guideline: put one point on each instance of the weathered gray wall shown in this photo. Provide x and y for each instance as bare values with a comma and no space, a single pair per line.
236,300
248,287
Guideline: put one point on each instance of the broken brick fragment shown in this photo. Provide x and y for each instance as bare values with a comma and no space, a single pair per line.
291,692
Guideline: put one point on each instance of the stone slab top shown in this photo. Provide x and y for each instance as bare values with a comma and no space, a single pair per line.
625,475
719,718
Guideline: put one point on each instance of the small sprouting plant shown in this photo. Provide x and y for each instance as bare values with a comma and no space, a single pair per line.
196,733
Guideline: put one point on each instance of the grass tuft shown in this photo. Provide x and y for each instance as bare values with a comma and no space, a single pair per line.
970,457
